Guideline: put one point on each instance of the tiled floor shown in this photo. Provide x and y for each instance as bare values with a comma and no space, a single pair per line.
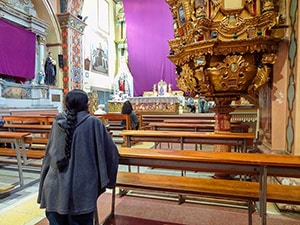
20,207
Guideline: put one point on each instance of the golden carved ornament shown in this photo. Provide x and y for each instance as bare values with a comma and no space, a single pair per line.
261,78
203,85
267,5
269,58
236,42
233,74
186,80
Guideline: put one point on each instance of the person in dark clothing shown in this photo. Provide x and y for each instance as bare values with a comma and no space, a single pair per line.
50,70
80,162
134,120
191,105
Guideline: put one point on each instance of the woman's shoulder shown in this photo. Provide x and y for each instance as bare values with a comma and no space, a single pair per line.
95,120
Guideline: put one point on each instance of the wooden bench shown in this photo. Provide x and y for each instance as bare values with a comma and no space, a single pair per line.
17,138
197,127
114,124
45,119
185,137
33,112
262,165
196,121
30,154
200,127
205,187
37,124
146,119
117,117
5,187
39,133
25,119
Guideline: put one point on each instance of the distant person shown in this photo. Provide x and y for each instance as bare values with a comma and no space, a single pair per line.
2,122
134,120
203,106
100,110
80,162
191,105
50,70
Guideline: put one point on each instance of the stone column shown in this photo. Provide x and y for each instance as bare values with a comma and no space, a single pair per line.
40,70
72,28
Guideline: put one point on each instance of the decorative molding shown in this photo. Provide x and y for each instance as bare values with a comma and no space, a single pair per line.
71,21
30,22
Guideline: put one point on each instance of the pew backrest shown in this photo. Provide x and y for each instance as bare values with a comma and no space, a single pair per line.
117,117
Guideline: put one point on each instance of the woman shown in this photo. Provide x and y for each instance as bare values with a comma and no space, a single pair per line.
81,160
134,120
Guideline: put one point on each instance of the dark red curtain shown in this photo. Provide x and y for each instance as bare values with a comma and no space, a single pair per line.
17,51
148,29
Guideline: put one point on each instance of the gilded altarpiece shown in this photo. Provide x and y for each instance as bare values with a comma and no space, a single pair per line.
224,50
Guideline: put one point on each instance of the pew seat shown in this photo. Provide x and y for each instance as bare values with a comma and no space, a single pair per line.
216,188
5,187
31,154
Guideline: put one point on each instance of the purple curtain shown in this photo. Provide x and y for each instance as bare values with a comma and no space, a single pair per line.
148,29
17,51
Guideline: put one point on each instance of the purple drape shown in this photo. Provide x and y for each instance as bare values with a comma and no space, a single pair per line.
17,51
148,29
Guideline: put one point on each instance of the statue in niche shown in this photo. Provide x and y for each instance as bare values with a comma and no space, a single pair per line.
123,82
50,70
123,85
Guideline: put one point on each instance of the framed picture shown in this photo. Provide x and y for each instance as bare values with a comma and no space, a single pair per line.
99,56
103,15
181,15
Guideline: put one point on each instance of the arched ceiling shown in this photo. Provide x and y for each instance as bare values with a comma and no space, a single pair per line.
46,13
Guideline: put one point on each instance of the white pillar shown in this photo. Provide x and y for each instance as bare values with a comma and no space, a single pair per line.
40,55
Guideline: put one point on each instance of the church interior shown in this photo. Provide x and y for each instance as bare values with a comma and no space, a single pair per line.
227,70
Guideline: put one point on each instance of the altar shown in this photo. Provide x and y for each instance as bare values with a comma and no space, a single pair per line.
161,100
148,105
156,105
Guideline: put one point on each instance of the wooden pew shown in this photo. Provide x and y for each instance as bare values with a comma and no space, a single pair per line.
30,154
200,127
146,119
39,133
197,127
34,128
39,128
17,138
196,121
117,118
114,124
45,119
185,137
262,165
25,119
